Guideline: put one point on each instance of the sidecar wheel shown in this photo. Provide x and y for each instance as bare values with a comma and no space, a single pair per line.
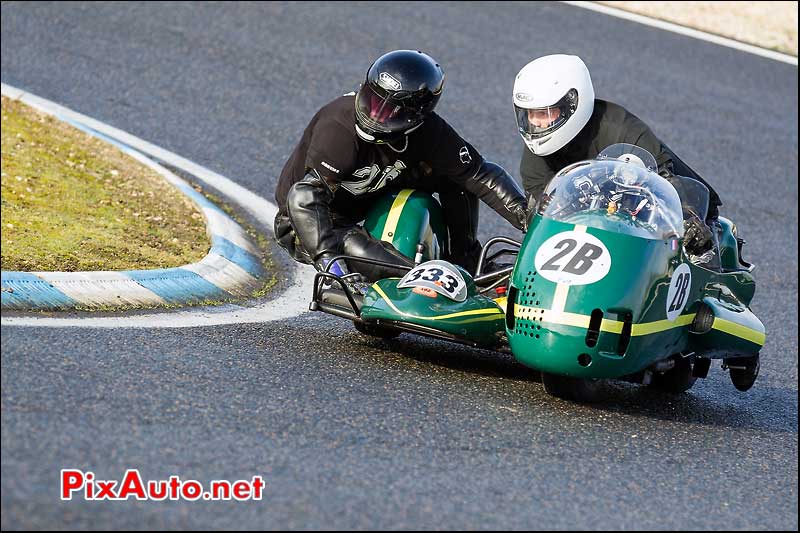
575,389
380,332
744,378
675,380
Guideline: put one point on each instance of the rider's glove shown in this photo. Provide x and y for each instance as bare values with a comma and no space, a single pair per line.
697,237
522,217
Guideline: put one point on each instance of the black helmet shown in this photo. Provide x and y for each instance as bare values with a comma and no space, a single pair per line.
400,90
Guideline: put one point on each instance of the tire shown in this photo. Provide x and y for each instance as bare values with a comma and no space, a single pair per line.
675,380
574,389
744,379
380,332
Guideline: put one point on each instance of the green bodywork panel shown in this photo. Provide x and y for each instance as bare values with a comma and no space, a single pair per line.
407,218
734,329
478,319
728,246
549,338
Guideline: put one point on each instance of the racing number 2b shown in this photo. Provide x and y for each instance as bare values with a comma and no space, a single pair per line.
581,261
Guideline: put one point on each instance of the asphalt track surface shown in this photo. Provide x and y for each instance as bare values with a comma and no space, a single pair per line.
351,432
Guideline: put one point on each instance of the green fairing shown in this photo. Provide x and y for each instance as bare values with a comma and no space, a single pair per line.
727,312
478,319
729,251
419,221
636,286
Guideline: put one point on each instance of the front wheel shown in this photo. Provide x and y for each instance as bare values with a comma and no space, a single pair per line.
744,372
575,389
374,330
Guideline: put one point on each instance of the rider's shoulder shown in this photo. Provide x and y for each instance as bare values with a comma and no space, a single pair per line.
610,111
435,125
616,116
337,114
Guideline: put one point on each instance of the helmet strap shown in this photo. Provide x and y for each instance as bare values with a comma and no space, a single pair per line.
395,149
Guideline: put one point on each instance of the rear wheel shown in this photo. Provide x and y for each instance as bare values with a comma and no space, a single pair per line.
677,379
373,330
574,389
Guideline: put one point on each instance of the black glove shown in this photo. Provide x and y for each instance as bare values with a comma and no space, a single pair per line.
697,237
521,213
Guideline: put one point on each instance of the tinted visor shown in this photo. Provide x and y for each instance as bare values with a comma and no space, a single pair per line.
382,113
538,122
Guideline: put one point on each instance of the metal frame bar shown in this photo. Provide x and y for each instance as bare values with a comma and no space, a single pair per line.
491,242
318,305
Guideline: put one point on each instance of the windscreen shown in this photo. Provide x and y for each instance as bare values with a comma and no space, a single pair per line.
617,195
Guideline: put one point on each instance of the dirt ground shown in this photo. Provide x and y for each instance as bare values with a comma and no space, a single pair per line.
771,25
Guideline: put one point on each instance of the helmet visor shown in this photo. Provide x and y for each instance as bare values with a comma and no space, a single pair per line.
538,122
382,113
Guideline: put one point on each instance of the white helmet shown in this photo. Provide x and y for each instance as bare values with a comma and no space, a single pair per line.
553,101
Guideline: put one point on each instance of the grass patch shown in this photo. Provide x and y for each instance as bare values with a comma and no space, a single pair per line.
71,202
266,284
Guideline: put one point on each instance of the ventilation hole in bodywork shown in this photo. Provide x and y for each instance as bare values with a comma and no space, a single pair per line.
593,333
625,336
584,360
512,298
522,319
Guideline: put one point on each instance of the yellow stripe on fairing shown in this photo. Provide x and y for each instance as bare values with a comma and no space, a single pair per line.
474,312
737,330
399,203
549,315
649,328
612,326
637,330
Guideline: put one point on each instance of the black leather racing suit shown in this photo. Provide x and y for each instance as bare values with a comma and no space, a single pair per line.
332,176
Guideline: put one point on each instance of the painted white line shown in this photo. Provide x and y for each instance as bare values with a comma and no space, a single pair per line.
292,302
689,32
